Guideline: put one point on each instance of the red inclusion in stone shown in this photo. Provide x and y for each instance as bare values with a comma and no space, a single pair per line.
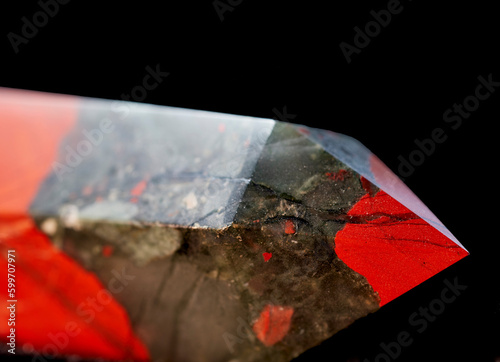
29,142
290,227
337,176
392,247
273,324
267,256
367,186
107,250
53,292
52,289
139,188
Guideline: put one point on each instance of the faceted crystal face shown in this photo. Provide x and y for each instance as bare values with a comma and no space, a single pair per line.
194,166
169,234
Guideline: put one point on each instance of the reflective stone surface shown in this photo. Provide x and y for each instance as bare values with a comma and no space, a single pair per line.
214,237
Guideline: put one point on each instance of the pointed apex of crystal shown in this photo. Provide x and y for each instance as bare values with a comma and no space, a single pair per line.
359,158
387,232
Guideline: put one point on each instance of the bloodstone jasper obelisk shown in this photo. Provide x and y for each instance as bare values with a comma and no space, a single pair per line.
150,233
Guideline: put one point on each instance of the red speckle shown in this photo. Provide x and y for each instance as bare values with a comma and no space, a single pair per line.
337,176
222,127
273,324
256,220
87,190
139,188
267,256
98,199
107,250
304,131
388,244
290,227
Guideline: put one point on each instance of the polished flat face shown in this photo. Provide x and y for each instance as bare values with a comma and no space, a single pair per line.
188,167
193,235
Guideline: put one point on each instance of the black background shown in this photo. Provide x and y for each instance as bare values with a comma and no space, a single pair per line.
267,55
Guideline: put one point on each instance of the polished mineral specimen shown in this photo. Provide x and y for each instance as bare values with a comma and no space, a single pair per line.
165,234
